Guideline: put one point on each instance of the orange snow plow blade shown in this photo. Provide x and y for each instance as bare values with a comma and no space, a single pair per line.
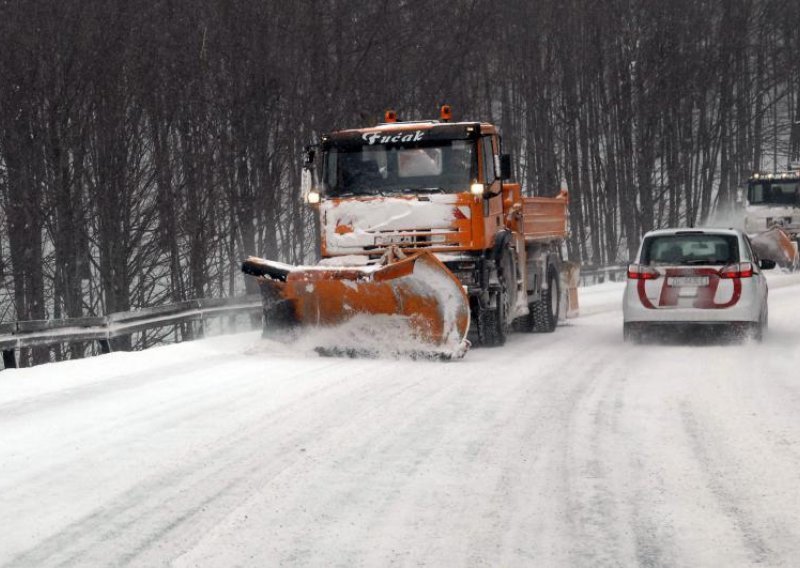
776,245
415,304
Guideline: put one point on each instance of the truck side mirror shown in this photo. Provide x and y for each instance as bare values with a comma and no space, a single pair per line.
505,166
310,193
308,186
308,159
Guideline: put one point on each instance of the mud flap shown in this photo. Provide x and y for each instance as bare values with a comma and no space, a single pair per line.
570,278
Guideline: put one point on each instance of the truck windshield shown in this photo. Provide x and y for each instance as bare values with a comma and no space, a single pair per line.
778,192
435,166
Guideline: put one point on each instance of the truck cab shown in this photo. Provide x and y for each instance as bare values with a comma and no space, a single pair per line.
773,199
410,185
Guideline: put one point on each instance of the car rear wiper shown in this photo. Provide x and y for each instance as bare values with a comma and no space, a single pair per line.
696,261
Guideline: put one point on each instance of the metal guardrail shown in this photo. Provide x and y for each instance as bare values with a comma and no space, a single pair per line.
590,276
22,334
36,333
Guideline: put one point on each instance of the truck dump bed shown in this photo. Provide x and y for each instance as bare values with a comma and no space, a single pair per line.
544,218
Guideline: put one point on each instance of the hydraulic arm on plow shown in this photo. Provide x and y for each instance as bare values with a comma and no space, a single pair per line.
423,234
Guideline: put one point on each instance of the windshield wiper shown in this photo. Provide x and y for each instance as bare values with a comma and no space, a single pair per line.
429,190
369,193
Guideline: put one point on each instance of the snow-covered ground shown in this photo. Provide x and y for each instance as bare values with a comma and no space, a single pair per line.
564,449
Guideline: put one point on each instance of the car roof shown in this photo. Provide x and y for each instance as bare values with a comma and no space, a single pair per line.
693,230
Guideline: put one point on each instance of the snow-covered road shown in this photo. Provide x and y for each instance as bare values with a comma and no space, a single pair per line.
567,449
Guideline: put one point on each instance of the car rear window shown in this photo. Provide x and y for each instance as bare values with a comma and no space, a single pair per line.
690,249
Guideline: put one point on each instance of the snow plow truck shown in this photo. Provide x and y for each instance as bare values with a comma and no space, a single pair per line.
423,241
772,215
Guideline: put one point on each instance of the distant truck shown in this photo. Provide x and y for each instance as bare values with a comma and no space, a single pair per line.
772,215
420,223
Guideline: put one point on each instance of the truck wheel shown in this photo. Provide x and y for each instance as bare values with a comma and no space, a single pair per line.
544,312
493,324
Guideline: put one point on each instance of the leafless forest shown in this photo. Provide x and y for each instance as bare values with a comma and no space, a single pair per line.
146,146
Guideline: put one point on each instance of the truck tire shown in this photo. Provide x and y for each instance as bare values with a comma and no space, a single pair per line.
544,312
491,326
493,323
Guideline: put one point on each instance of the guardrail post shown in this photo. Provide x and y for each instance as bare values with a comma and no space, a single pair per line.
9,359
105,346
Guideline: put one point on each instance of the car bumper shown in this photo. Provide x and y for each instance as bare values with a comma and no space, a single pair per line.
746,310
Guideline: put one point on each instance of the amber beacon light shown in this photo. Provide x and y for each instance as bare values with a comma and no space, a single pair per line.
390,116
446,113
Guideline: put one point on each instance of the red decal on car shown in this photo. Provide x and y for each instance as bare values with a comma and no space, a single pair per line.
643,296
705,294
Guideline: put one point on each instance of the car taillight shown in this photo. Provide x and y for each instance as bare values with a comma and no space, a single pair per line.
640,272
738,270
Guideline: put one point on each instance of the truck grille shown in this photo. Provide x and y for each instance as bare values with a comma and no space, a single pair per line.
418,238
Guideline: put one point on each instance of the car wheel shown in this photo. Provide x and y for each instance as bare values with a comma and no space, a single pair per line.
757,332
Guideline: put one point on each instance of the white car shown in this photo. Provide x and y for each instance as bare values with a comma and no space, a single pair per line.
685,277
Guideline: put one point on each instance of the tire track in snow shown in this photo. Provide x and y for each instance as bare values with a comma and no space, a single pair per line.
755,544
233,472
601,523
499,466
411,469
146,424
116,385
144,501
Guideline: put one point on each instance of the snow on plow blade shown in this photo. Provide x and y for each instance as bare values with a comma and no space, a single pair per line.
414,305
